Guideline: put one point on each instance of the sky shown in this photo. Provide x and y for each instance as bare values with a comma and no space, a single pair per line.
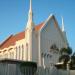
14,15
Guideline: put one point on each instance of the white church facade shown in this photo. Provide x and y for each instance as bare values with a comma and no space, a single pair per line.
35,42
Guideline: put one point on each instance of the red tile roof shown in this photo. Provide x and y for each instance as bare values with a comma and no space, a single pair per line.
10,41
39,26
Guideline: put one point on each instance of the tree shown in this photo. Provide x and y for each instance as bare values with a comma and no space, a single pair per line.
72,64
65,56
67,50
64,60
54,47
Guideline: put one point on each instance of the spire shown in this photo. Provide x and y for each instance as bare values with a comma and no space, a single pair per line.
63,29
30,16
31,5
30,11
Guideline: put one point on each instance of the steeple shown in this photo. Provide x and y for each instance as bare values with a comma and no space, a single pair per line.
64,33
63,29
30,17
29,33
30,11
30,5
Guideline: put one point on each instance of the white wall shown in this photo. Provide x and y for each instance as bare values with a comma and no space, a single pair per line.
53,71
35,46
50,34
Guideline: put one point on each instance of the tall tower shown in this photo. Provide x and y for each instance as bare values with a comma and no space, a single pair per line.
30,23
29,33
63,29
64,33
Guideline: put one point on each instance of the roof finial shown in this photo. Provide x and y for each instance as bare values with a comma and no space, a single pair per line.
63,29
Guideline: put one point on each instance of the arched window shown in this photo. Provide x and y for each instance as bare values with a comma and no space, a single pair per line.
0,56
42,55
47,55
22,51
27,46
6,55
27,51
19,52
16,52
12,55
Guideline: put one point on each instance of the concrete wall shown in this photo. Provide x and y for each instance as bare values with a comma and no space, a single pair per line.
10,67
7,68
53,71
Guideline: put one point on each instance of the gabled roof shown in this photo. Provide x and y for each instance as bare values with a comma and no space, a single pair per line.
56,26
10,41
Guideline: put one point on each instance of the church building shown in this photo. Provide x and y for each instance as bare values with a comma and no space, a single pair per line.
37,43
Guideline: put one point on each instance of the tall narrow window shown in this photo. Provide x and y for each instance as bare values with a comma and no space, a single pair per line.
6,55
43,57
16,52
12,55
22,52
19,52
0,56
27,51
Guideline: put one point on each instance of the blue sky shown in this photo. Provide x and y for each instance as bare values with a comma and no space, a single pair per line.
13,16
